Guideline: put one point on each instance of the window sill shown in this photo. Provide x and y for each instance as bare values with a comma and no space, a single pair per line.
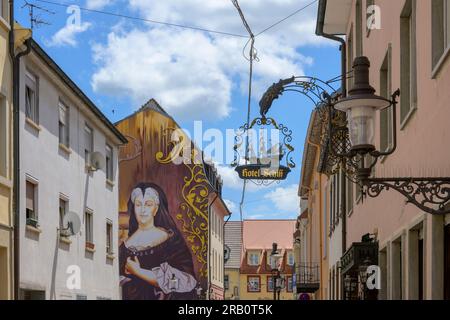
110,183
5,182
65,240
33,124
90,247
437,69
408,117
33,229
110,256
5,24
65,149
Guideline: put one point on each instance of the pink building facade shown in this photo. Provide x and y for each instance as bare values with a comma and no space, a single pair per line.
408,45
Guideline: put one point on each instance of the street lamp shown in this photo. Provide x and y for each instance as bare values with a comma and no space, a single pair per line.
349,143
349,286
274,257
362,270
361,106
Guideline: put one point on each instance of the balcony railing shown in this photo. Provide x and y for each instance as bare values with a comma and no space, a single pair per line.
307,277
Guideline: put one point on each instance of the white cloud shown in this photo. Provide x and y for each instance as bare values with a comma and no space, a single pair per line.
97,4
231,180
193,73
285,199
232,206
67,35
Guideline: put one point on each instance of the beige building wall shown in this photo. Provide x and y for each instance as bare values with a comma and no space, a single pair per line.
232,292
6,161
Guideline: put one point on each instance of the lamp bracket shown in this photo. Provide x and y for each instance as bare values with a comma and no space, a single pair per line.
428,194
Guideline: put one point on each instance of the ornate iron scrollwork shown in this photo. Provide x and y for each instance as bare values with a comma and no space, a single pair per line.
429,194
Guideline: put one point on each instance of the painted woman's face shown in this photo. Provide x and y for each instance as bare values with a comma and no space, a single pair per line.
145,209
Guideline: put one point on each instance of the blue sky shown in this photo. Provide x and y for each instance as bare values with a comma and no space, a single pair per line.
121,63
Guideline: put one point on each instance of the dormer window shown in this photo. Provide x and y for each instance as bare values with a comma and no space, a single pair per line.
253,258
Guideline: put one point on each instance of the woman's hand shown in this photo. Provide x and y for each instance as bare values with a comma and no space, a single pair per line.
133,267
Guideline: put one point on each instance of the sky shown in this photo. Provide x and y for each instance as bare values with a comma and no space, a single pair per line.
121,63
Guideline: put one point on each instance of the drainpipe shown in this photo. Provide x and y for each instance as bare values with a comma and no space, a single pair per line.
16,150
343,49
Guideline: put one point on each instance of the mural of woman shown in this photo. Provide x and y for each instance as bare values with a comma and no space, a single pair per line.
155,262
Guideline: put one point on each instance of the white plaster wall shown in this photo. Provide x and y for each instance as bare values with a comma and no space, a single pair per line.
43,259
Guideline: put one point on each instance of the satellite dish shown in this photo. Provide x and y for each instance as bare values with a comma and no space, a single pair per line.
98,161
71,224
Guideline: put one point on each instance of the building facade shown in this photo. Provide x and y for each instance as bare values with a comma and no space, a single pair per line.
6,158
408,46
64,139
256,280
233,251
162,171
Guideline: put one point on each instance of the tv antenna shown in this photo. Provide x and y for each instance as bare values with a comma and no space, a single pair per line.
35,19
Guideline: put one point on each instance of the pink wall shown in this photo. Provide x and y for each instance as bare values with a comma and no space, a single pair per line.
423,145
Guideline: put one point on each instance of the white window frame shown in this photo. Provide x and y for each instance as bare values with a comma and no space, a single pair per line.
89,225
252,256
34,183
64,123
32,107
88,149
109,237
64,200
109,162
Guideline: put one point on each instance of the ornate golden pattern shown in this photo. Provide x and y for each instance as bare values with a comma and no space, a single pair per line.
194,210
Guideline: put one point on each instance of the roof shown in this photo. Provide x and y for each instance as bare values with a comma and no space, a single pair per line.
332,16
310,153
233,230
261,234
151,104
36,48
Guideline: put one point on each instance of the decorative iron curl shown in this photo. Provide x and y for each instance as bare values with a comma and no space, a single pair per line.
429,194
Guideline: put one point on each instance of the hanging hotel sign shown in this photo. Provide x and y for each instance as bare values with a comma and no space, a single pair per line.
264,172
273,161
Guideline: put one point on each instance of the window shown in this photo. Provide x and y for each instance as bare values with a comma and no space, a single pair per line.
359,29
31,97
109,163
408,63
226,282
290,284
441,31
236,291
269,283
386,134
109,237
62,212
88,144
369,4
31,205
253,259
81,297
290,261
3,137
88,217
253,284
63,124
4,10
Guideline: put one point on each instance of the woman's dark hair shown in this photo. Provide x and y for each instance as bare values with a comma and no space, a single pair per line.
162,218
